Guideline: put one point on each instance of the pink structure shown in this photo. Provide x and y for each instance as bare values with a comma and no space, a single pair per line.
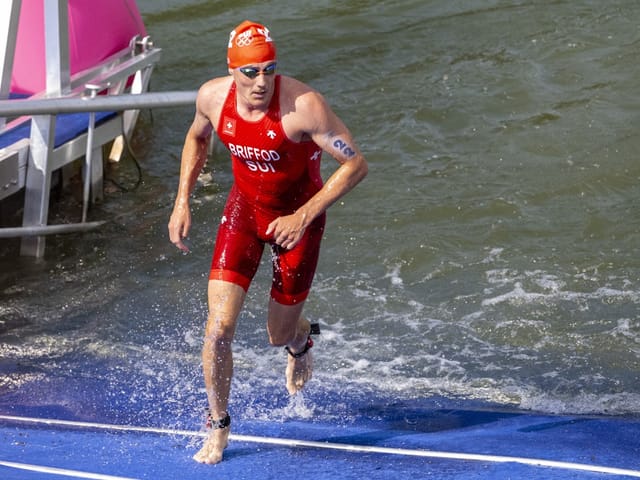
65,49
97,29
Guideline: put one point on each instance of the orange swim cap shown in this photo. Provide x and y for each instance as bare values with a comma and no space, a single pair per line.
250,42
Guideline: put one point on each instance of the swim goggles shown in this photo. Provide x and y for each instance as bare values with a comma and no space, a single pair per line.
253,72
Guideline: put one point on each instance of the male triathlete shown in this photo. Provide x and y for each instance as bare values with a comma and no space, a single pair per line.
276,129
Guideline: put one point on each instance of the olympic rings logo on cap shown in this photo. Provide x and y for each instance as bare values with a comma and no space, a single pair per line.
245,38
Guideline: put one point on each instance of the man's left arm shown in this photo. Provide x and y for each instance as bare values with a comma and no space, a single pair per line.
332,135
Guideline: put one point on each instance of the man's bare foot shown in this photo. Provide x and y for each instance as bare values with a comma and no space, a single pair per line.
214,445
298,372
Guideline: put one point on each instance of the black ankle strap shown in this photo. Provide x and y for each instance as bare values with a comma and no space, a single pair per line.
223,422
299,354
315,330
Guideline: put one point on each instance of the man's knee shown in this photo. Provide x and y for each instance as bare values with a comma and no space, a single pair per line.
218,338
218,334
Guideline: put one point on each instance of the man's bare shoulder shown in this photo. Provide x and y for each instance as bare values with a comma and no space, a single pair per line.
213,92
300,97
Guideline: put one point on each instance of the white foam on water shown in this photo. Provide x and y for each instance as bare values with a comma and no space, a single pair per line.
506,341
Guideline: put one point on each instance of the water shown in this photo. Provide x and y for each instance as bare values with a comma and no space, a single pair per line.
491,255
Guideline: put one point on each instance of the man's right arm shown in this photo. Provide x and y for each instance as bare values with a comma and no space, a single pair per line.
194,156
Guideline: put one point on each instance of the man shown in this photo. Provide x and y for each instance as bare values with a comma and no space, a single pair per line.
276,129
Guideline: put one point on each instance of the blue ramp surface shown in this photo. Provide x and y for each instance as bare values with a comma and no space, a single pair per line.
434,444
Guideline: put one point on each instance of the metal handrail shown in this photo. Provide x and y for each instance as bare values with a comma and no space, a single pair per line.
110,103
39,230
104,103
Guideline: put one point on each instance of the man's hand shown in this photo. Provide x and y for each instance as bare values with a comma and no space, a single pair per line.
287,231
179,225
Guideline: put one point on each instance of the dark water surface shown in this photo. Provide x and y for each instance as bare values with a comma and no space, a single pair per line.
491,254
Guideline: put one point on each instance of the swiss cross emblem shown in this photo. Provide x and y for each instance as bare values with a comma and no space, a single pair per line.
229,126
